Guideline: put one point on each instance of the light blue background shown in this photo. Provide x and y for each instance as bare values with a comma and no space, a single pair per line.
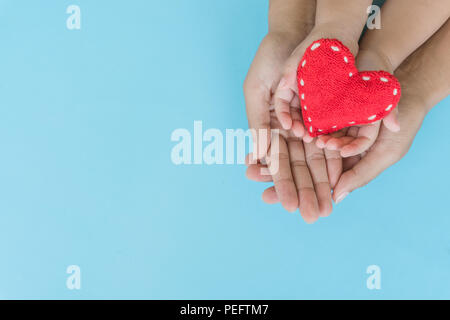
86,176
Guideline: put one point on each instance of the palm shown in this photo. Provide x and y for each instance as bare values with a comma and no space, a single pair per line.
389,148
262,79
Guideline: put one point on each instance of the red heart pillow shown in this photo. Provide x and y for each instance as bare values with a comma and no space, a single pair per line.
335,95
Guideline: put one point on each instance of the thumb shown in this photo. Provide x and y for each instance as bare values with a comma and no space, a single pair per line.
391,121
287,89
367,169
258,115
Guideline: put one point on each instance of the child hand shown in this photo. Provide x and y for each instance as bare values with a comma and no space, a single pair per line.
334,20
358,139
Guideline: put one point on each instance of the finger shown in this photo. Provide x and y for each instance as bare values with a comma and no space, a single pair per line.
334,166
391,121
350,162
298,129
362,173
338,143
270,196
295,103
258,173
250,159
323,139
283,97
353,132
350,133
365,139
315,158
258,114
297,125
307,138
280,169
287,89
309,206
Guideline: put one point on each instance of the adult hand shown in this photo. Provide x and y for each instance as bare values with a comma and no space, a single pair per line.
386,49
303,174
290,21
388,148
262,79
425,79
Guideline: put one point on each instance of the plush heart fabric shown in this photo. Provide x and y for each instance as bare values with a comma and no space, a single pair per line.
335,95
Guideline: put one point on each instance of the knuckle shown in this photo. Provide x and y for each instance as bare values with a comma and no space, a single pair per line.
298,164
315,156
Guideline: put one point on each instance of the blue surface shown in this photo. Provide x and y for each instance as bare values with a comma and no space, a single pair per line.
86,177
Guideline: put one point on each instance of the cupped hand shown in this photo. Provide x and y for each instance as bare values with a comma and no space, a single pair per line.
425,80
287,91
389,148
260,84
303,175
359,170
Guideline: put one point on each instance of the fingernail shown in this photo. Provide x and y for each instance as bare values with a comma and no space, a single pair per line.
291,209
341,197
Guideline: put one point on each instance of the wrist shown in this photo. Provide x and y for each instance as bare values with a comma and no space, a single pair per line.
293,19
373,60
335,31
415,104
286,38
424,95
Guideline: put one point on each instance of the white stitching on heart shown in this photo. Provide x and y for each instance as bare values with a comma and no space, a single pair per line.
315,46
365,78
